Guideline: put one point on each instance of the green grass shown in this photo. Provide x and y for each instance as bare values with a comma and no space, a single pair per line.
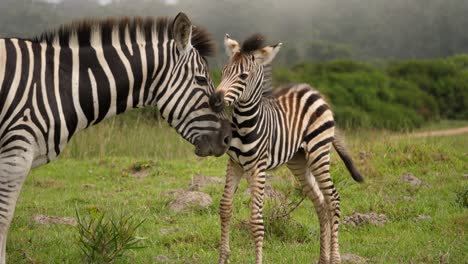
95,180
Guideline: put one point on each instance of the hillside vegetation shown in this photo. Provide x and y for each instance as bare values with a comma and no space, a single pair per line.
397,95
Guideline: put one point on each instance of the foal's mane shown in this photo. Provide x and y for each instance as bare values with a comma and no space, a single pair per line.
201,39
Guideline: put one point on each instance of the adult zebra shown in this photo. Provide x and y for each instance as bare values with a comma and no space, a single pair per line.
66,80
294,126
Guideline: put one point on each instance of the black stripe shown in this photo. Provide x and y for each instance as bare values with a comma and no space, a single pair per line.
49,82
70,115
149,65
327,125
117,69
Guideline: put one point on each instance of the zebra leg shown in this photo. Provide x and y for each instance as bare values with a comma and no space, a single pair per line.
15,163
319,164
257,185
233,176
335,214
298,166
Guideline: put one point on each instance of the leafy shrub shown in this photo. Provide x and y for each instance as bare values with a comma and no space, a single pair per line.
105,239
399,95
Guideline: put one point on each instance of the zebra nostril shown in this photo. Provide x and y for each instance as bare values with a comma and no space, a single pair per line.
217,102
227,140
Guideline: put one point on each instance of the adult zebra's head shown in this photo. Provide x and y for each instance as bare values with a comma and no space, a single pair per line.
185,103
242,76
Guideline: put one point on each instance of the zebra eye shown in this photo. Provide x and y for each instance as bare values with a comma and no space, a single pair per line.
243,76
201,80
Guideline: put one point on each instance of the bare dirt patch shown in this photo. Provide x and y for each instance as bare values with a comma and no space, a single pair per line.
372,218
88,186
199,181
169,231
51,183
352,258
410,179
444,132
188,200
420,218
139,170
47,220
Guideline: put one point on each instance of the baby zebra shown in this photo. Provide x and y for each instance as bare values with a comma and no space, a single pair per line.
295,127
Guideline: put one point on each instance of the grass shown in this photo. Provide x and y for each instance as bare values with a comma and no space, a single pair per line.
92,178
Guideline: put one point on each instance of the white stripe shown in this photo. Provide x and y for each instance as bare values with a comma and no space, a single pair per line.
3,56
75,85
155,41
36,109
96,43
144,65
126,63
128,41
52,155
167,62
14,84
95,94
25,95
63,126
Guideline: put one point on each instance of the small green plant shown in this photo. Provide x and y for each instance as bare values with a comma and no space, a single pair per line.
104,239
279,221
462,197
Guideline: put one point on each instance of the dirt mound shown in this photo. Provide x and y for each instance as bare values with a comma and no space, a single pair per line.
139,170
411,179
358,219
187,200
47,220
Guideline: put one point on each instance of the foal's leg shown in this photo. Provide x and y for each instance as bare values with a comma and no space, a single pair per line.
233,176
257,185
318,161
298,166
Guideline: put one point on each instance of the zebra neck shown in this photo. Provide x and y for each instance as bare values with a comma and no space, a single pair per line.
97,82
247,115
75,86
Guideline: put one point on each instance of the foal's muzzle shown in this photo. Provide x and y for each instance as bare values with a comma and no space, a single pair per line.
217,101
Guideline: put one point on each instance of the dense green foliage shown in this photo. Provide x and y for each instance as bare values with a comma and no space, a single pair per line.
309,29
397,95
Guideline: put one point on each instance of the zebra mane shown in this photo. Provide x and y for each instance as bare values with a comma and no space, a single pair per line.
201,39
253,43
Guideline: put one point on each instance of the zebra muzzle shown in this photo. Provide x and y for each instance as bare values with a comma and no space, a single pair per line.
217,102
215,143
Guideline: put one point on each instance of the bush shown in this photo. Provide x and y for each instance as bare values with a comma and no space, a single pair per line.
104,239
400,95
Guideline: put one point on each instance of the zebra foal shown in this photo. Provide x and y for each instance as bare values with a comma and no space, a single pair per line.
66,80
294,126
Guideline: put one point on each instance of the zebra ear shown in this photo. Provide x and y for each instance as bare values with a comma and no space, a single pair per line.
231,45
267,54
182,30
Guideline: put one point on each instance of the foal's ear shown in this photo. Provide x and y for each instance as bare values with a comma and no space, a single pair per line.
182,30
267,54
231,45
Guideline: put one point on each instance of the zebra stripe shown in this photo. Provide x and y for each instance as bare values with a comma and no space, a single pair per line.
67,80
294,126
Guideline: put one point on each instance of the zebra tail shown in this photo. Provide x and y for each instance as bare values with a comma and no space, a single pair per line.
340,148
